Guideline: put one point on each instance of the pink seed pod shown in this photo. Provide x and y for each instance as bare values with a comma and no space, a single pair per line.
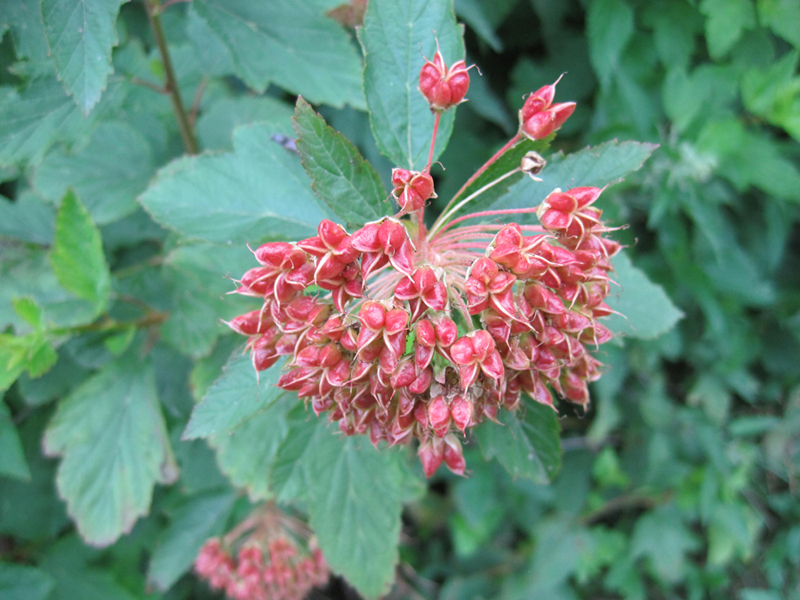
443,88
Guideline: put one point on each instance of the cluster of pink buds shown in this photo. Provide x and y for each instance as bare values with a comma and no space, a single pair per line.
539,117
269,557
401,339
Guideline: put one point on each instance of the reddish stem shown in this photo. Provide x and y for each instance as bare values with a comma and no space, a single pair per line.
486,213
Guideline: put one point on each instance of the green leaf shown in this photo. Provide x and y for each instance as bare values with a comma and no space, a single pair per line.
80,34
77,255
111,435
198,280
247,452
12,459
472,12
353,495
783,17
107,174
258,192
595,166
664,539
17,353
237,395
527,443
609,27
18,582
307,53
396,38
27,308
339,174
28,219
646,310
215,126
196,520
725,22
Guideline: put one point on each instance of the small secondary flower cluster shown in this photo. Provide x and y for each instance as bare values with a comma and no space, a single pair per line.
402,338
270,563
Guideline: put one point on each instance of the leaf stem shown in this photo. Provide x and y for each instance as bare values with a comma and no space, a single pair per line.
108,324
154,8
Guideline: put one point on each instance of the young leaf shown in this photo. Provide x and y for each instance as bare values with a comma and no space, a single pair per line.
107,174
111,435
353,493
81,34
291,44
646,310
339,174
18,582
396,37
258,192
527,443
236,396
12,459
198,519
77,255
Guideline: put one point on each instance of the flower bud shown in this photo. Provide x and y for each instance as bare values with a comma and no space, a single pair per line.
443,87
412,188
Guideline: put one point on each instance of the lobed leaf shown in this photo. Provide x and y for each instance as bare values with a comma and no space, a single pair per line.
396,37
291,44
77,254
111,436
257,192
526,443
339,174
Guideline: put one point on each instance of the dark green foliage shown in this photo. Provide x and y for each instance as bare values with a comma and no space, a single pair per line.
116,249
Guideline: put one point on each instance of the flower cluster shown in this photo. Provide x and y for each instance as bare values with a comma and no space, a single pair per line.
401,333
270,563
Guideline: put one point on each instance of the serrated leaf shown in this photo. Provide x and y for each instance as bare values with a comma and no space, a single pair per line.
18,582
526,443
593,166
646,310
353,495
107,174
339,174
198,519
308,53
111,436
236,395
246,453
81,34
12,459
396,37
258,192
77,254
609,27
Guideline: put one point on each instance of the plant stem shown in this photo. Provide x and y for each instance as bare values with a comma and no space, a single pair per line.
109,324
153,9
512,142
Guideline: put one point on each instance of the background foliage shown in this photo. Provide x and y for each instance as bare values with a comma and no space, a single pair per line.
680,482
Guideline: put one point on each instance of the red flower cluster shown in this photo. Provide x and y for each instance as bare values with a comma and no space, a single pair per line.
269,564
403,339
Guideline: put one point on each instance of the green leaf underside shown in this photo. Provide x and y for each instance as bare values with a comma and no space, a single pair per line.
526,443
235,396
507,162
18,582
198,519
80,34
339,174
353,495
111,435
107,175
12,458
308,53
258,192
595,166
396,37
646,310
77,255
